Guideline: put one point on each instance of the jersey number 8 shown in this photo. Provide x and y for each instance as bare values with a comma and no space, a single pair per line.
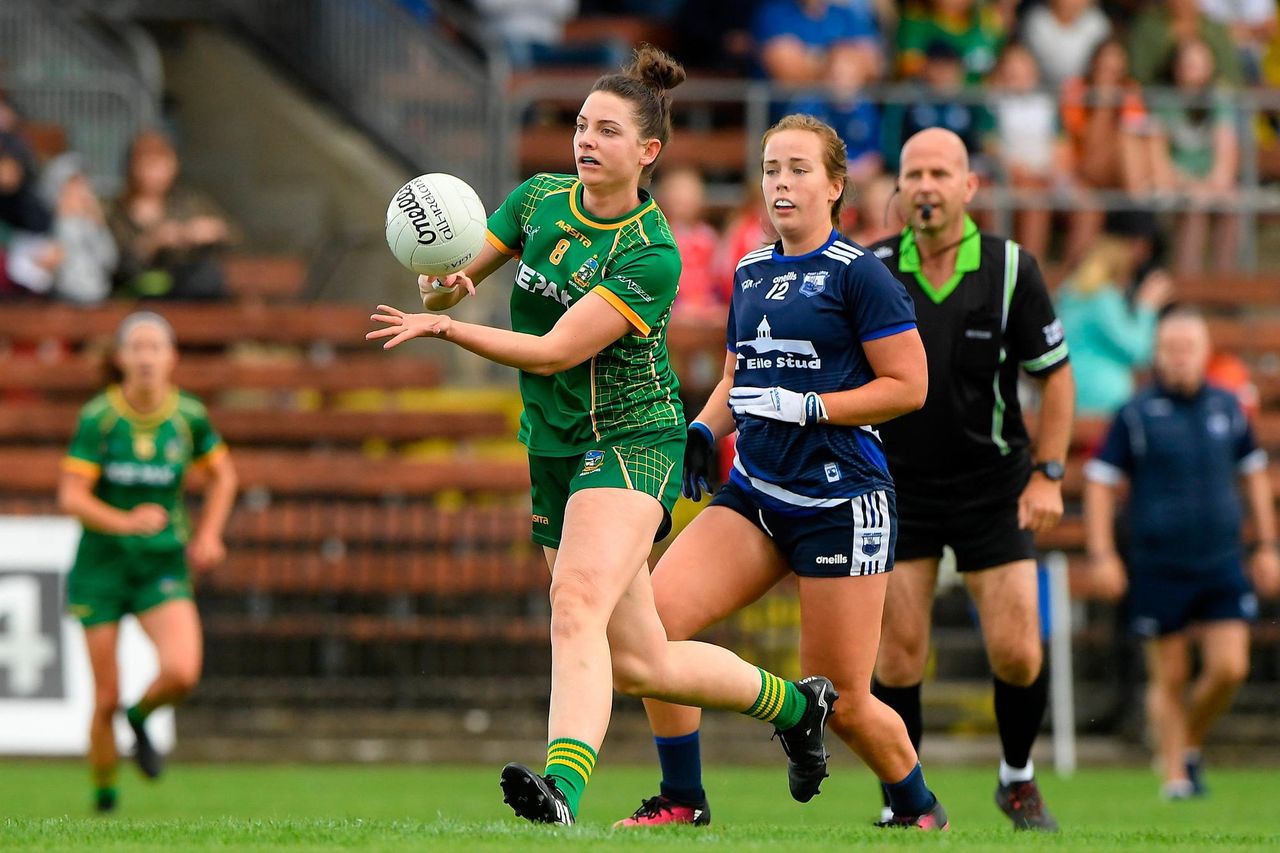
558,252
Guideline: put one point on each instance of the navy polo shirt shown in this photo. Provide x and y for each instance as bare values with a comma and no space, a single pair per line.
1183,457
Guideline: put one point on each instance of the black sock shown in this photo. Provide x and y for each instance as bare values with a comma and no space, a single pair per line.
1019,713
905,701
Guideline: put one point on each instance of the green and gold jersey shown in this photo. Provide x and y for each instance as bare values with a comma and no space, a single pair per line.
628,390
137,458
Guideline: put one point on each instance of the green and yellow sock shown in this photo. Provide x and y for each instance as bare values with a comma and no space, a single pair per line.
570,763
779,702
104,790
137,715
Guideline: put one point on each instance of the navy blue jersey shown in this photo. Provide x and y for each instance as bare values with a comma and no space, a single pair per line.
1182,457
799,323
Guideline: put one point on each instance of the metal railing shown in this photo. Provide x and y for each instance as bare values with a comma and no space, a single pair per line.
54,69
760,101
424,97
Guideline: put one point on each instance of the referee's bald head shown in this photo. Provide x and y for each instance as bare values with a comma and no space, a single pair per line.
935,182
937,141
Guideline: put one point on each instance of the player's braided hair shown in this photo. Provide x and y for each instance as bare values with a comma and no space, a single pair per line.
834,154
646,83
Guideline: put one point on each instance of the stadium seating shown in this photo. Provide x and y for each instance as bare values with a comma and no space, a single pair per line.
353,554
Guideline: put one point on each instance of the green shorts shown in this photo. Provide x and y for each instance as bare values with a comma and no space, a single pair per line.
107,582
653,468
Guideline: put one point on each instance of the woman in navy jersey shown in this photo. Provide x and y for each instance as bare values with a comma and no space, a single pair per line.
822,345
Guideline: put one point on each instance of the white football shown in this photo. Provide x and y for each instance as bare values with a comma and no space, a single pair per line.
435,224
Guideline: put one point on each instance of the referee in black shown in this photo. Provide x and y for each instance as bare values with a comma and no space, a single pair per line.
965,471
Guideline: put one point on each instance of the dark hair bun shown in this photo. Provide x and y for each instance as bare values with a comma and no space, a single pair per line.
655,68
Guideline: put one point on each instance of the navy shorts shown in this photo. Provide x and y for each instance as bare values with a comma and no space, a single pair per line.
855,538
1162,603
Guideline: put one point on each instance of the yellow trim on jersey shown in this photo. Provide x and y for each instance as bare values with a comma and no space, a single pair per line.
594,429
623,308
573,208
622,464
115,396
499,245
84,467
215,453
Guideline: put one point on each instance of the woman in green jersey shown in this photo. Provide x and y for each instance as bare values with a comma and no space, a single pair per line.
123,477
605,432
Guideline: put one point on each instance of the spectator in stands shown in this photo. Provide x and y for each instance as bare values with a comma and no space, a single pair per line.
1109,337
1026,136
943,77
1110,144
1062,35
971,28
799,41
1228,371
27,255
876,216
533,34
1156,33
1266,124
701,297
423,11
716,35
749,228
89,253
1140,231
1198,156
1184,449
844,106
1251,24
20,205
169,236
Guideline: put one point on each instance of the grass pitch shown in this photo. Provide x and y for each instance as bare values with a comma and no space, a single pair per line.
45,805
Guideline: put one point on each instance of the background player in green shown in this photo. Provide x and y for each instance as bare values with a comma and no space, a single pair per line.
605,433
123,479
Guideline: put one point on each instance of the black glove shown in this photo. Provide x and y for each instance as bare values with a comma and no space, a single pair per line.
701,463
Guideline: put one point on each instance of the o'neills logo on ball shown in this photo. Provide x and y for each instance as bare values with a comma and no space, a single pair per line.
424,220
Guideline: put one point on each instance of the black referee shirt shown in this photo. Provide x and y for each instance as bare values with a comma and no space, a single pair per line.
993,317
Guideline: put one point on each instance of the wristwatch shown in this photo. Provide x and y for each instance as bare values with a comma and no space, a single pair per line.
1052,470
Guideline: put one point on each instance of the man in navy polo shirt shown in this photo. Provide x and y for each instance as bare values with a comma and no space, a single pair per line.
1184,448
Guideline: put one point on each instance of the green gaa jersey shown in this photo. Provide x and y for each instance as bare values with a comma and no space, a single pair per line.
628,390
135,458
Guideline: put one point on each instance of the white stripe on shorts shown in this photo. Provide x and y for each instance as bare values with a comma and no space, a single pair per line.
872,527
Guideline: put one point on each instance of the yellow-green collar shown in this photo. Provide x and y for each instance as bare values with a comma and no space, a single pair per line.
968,259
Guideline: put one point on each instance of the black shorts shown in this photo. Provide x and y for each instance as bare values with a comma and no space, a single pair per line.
983,532
855,538
1162,603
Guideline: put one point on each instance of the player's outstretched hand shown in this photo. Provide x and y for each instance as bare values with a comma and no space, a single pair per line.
402,327
1040,506
701,463
778,404
1264,571
429,284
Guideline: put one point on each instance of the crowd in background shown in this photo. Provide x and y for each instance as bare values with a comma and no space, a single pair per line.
59,240
1061,102
1067,103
